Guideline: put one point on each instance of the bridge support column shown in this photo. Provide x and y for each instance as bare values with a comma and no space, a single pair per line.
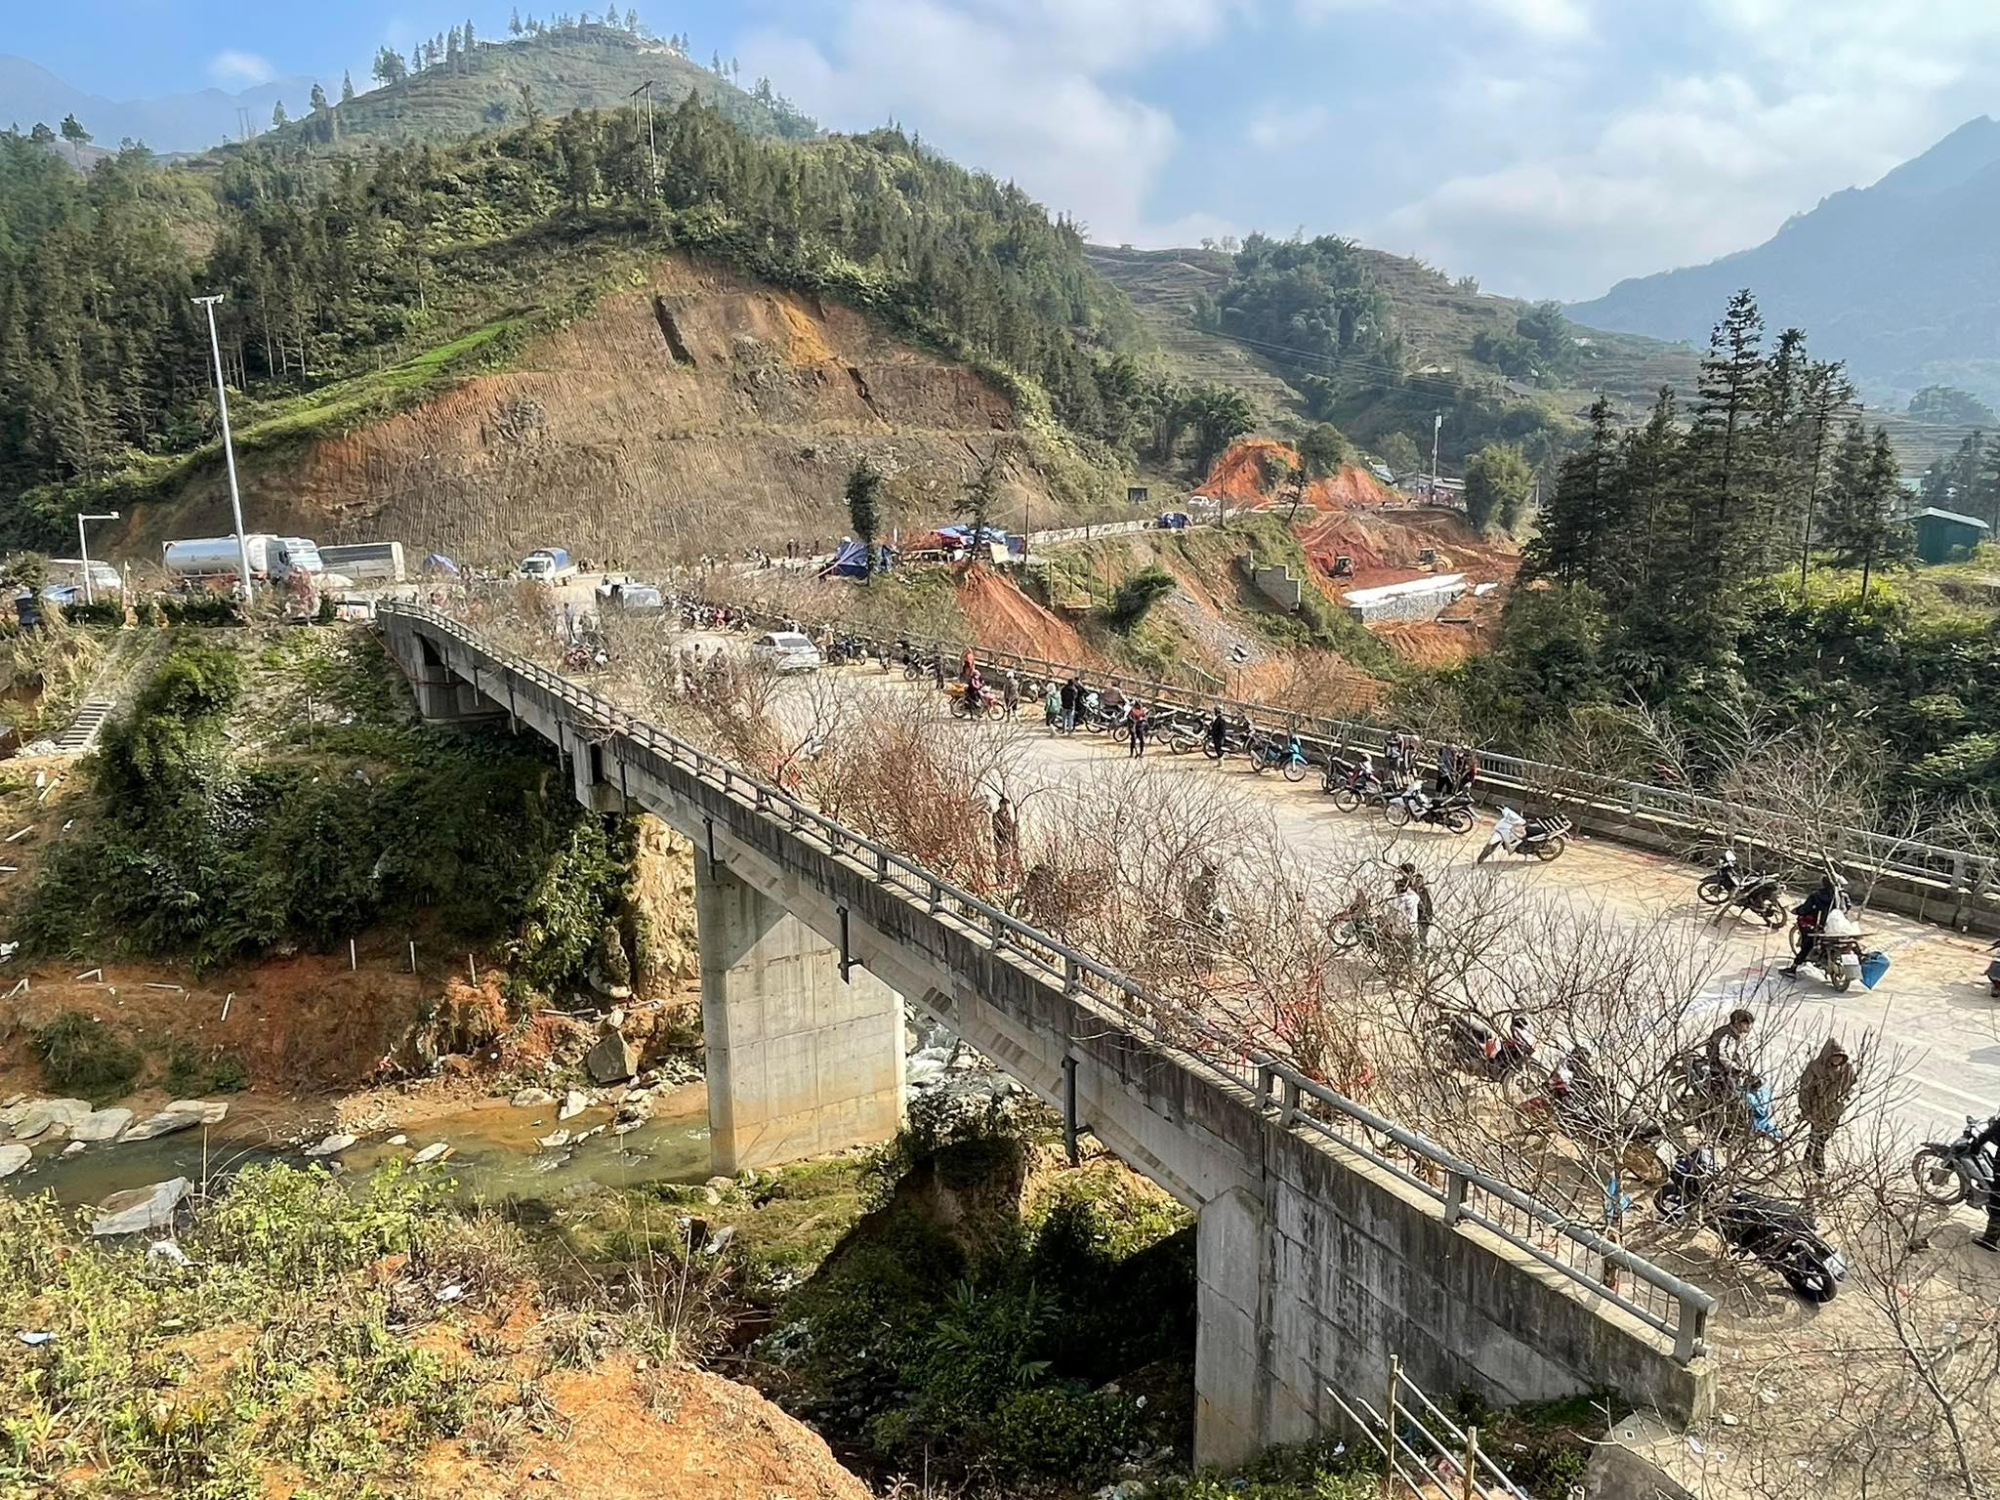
800,1062
1232,1341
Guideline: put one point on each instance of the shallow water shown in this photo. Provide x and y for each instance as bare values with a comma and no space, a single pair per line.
494,1155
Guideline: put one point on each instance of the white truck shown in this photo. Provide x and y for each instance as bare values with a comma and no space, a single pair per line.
548,565
366,562
104,578
272,558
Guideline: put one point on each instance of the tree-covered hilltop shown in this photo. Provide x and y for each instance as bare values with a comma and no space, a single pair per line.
461,83
349,285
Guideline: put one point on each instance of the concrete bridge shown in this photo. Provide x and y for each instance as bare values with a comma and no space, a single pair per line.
1318,1255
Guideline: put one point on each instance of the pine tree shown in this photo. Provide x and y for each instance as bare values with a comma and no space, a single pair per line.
465,45
1827,390
279,119
1571,543
76,135
1867,528
632,20
864,494
346,87
318,100
514,27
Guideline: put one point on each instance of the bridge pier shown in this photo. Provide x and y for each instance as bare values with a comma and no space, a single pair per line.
800,1062
443,697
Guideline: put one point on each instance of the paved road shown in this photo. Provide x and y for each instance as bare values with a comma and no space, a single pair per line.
1933,1005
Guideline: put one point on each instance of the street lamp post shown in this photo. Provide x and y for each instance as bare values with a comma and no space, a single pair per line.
83,550
228,448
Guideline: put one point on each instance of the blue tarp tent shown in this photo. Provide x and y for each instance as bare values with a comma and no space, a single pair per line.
437,562
850,560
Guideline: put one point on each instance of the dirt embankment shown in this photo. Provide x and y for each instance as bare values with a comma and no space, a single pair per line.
1005,619
1242,477
693,414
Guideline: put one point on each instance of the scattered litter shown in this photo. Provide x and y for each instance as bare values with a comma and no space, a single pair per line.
33,1340
722,1237
8,950
225,1004
168,1251
1695,1447
21,835
451,1293
1729,1421
41,780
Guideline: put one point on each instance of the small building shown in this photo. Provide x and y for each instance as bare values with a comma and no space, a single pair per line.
1411,600
1946,536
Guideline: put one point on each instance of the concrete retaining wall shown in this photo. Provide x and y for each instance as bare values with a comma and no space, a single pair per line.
1278,585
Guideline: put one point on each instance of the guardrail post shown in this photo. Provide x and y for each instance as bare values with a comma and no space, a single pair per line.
882,864
1689,1331
1266,1076
999,933
1289,1107
937,898
1455,1185
1072,976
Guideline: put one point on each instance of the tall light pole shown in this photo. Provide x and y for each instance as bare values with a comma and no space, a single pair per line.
228,448
83,550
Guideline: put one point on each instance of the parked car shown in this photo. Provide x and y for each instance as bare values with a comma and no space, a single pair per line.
787,650
633,598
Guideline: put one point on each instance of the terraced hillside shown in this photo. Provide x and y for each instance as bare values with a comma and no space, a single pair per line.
1438,318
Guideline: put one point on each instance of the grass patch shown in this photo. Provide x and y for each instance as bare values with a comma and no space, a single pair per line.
191,1073
80,1055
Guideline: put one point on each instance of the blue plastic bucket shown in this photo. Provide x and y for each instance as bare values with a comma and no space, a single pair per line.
1873,967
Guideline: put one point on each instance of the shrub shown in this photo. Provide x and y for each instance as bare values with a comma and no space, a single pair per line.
1136,595
80,1054
96,612
1058,1431
190,1074
200,609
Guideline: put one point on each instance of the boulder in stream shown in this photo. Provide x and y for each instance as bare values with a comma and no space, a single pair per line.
47,1115
182,1114
435,1151
575,1102
531,1098
332,1145
13,1158
101,1125
139,1209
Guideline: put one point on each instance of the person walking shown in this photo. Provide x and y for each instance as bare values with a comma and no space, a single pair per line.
1824,1089
1072,693
1447,764
1136,721
1408,879
1464,769
1218,733
1006,841
1010,692
1052,709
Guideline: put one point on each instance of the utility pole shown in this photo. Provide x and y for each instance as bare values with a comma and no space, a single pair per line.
83,550
652,160
228,447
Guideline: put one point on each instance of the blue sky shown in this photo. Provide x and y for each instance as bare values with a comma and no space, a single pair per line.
1547,146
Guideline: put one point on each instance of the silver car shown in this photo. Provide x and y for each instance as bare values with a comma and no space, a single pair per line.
788,651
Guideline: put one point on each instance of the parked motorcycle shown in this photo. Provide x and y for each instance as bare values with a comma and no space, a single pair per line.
1414,805
1352,785
1545,838
1268,750
1993,971
1728,886
1769,1230
1236,736
1580,1105
1949,1173
1495,1050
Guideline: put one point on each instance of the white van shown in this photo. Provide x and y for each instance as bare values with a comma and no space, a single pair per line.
788,651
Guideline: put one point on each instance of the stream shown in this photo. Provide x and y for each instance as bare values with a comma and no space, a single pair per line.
495,1156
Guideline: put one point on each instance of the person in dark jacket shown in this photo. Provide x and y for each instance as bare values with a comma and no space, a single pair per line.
1071,692
1824,1089
1218,733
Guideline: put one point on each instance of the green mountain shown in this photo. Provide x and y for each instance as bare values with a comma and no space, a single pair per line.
494,84
1379,344
1898,279
353,290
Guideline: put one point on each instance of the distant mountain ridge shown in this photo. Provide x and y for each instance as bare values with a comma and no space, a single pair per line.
1901,279
30,93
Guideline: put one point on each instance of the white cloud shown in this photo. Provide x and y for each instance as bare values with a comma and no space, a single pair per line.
1016,89
1775,104
1552,20
231,68
1275,129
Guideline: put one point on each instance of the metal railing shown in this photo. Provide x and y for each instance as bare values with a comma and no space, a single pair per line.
1968,877
1465,1194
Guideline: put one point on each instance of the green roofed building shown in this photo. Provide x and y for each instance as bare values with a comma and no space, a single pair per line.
1946,536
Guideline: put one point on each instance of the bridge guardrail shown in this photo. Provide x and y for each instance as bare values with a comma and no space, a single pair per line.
1971,881
1466,1194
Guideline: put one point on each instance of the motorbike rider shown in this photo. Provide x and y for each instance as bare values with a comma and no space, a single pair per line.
1812,913
975,692
1988,1139
1727,1054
